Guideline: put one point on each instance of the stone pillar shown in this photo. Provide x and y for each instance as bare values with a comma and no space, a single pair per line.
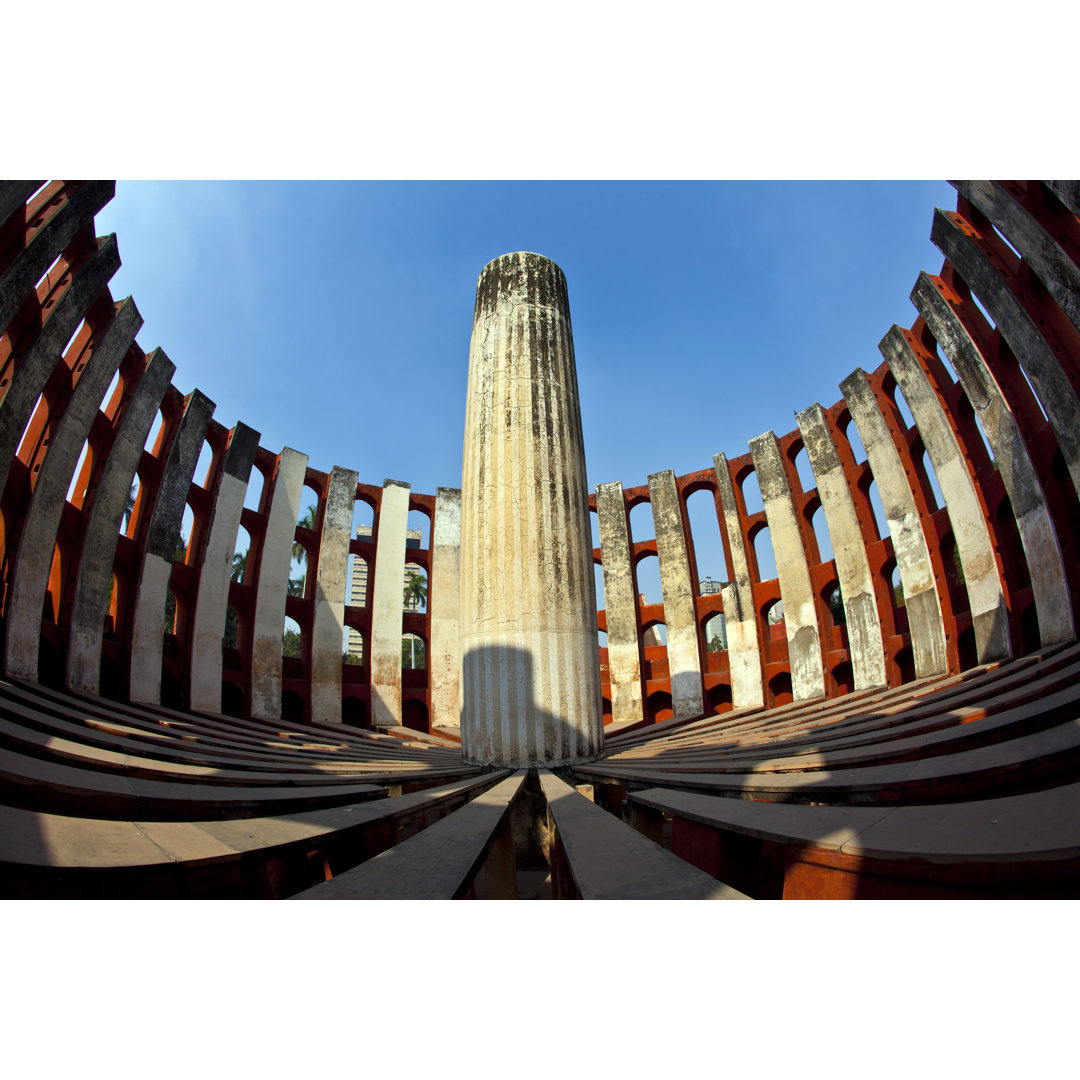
1033,520
680,616
792,569
740,616
33,559
921,600
215,575
93,579
328,621
272,585
982,578
530,659
849,552
624,649
387,604
444,650
148,622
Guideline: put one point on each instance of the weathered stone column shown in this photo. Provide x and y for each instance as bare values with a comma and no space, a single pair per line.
530,660
386,604
444,598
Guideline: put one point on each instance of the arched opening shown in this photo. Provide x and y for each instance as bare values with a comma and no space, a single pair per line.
363,520
764,555
303,546
172,691
113,391
414,715
418,530
751,493
76,492
187,524
642,526
933,496
881,522
843,678
170,612
128,521
354,647
904,664
292,707
254,491
851,433
807,480
715,633
654,635
415,590
240,555
985,314
719,698
291,640
780,689
902,406
358,581
230,639
232,699
153,439
708,542
833,599
821,534
49,672
647,579
601,637
598,579
605,707
413,652
354,712
594,526
1029,628
201,476
658,707
109,682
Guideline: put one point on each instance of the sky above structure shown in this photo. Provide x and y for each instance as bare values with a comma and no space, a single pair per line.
335,317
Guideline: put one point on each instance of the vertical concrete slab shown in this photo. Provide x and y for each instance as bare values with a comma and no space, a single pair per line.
444,605
212,598
1067,191
33,559
148,621
986,595
1033,521
94,575
1052,386
792,569
13,196
676,584
921,600
624,651
740,618
849,552
19,397
48,243
272,586
328,622
1036,246
387,606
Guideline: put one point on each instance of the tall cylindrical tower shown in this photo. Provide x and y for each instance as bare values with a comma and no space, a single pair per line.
530,665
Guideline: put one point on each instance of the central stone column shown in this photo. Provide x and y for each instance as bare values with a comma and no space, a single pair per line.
529,650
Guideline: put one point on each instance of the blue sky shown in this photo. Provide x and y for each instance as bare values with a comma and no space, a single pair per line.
335,317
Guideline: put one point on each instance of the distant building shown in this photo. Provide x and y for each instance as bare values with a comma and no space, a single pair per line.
359,580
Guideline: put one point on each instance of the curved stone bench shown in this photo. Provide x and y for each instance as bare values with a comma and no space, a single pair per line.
1017,846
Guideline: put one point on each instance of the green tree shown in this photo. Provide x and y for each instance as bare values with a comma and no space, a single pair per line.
129,506
415,593
307,521
413,653
290,643
239,565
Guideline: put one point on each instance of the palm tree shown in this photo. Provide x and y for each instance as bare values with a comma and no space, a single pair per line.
129,506
239,565
415,592
299,552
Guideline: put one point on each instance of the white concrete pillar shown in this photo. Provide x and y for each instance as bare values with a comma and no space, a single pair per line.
328,622
33,558
921,600
444,605
982,578
677,587
148,621
849,552
93,579
387,605
530,662
740,616
624,649
272,583
792,569
212,599
1042,550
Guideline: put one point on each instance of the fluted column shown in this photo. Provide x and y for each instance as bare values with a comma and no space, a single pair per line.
530,661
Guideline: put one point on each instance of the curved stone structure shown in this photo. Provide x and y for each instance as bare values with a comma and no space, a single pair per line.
530,670
927,598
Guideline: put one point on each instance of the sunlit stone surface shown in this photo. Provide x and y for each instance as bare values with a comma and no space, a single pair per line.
530,667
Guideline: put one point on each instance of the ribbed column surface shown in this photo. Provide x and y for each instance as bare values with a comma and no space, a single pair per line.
530,666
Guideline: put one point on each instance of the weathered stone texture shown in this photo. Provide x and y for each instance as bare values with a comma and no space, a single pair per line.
849,552
530,666
387,608
983,580
444,605
212,599
148,620
740,616
272,585
30,576
1033,520
680,616
624,650
792,570
921,599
